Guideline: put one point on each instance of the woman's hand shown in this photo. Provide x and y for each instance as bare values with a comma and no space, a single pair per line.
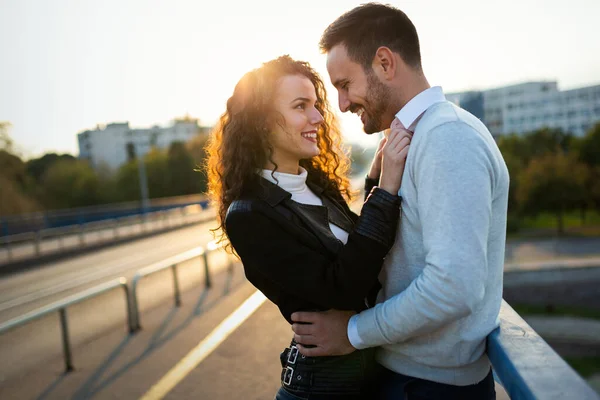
375,170
394,151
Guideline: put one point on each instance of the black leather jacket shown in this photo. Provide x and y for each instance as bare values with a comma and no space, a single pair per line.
290,254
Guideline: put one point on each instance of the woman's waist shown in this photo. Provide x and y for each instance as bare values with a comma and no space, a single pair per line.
348,373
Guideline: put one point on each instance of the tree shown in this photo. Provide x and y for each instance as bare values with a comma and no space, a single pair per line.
181,175
6,143
589,154
553,183
127,182
157,170
13,200
13,168
71,183
546,141
38,166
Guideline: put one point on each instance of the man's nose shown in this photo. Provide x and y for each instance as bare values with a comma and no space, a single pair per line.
343,102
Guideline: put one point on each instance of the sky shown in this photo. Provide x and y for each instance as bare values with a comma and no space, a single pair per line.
69,65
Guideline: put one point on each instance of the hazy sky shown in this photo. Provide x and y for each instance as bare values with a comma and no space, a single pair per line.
67,65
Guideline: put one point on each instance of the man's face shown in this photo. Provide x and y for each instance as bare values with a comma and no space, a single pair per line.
359,92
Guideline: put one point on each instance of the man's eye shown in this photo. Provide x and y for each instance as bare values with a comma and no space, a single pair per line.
344,85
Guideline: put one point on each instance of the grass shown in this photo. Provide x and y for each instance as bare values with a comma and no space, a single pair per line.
557,311
585,366
545,225
571,220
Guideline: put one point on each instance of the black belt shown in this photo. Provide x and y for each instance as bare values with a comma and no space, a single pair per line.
339,374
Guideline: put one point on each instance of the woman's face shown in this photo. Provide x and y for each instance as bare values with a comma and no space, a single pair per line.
296,138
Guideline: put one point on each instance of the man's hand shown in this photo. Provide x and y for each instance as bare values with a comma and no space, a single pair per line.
328,330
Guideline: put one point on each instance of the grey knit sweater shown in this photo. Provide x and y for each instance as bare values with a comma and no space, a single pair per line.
442,280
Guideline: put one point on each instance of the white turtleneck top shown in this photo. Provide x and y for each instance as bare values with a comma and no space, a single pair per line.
296,186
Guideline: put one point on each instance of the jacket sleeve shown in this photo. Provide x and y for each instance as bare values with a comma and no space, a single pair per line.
370,183
268,248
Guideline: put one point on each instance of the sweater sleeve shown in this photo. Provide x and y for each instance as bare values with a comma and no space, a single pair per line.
454,178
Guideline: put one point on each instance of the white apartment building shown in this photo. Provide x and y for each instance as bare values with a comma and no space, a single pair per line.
117,143
530,106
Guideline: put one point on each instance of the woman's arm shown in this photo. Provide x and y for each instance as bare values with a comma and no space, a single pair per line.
270,248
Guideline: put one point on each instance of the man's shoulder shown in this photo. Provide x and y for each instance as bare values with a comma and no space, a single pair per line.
447,113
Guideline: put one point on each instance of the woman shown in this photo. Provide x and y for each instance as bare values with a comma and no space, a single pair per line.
277,176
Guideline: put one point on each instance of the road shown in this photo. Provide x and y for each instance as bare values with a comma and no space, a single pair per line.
27,350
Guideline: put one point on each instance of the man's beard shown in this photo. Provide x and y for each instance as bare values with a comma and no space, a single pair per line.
377,102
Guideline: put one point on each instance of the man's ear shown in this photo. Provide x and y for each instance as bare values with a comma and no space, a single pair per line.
384,63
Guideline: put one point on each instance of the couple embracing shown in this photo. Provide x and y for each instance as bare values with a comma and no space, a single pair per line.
394,303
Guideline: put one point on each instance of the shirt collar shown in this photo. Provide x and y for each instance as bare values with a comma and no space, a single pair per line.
410,113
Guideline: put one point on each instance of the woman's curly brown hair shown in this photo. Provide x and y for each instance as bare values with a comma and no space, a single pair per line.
239,145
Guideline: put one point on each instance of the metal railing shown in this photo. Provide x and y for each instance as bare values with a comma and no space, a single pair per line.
527,366
31,244
133,312
172,264
61,307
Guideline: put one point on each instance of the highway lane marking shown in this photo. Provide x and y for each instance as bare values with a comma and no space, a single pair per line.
204,348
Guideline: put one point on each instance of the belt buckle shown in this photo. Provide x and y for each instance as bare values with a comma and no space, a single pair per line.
292,355
287,378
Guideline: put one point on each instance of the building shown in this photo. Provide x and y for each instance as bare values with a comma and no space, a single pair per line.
533,105
117,143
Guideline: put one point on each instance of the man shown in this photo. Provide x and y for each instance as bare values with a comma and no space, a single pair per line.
442,280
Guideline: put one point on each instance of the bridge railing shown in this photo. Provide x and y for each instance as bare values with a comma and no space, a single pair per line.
527,367
62,305
131,297
56,240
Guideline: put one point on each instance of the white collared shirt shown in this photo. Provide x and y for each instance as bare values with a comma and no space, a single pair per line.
410,114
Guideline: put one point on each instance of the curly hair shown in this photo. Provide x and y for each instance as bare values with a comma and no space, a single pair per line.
239,145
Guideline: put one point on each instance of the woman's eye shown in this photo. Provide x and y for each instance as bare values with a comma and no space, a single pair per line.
301,106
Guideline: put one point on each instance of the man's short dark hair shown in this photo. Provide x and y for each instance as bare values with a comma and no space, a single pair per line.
367,27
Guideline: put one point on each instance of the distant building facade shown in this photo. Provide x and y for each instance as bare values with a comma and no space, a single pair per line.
533,105
116,143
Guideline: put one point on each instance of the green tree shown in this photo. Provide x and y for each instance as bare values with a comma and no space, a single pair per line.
181,175
552,183
157,171
13,168
546,141
13,200
68,184
14,181
37,167
127,183
589,153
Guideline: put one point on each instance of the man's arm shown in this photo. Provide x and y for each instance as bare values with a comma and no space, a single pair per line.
454,176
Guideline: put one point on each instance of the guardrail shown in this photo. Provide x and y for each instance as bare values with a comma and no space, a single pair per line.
527,366
172,264
31,244
61,307
133,314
